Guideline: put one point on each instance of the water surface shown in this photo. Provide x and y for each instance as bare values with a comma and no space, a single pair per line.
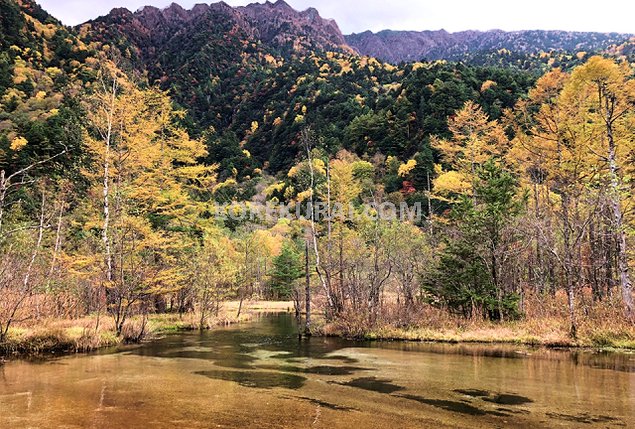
259,375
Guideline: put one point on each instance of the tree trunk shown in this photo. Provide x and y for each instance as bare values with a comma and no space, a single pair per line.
615,201
58,243
307,291
568,263
3,193
26,281
106,183
318,266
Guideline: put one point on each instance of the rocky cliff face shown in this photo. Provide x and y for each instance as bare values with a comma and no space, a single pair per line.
282,26
277,26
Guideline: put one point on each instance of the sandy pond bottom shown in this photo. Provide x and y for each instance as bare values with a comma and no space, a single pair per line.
259,375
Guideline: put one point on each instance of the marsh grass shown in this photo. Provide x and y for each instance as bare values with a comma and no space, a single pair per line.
601,325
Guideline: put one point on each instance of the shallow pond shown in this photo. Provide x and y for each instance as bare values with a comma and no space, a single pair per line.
259,375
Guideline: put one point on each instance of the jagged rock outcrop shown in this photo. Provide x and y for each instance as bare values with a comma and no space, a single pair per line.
277,26
282,26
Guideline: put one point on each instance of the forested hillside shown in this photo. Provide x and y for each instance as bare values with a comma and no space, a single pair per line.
123,140
44,68
216,65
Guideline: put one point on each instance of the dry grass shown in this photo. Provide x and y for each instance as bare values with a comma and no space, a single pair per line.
260,306
60,336
57,336
600,325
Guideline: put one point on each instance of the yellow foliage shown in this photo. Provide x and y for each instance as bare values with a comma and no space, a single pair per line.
319,167
344,187
53,72
301,80
270,59
389,67
293,171
289,192
392,87
276,187
416,66
303,196
487,85
18,79
475,139
18,143
229,183
405,169
451,182
270,242
155,162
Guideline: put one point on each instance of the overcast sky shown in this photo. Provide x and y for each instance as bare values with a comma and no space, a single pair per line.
453,15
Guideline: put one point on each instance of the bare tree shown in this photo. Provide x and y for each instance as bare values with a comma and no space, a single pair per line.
14,297
324,280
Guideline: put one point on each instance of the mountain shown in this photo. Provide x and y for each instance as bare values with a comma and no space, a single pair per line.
251,79
277,26
404,46
253,76
279,30
211,56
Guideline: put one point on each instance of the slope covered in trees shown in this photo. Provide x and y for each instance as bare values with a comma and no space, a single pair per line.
247,88
44,67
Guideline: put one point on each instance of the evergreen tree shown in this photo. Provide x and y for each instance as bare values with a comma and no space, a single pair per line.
287,268
470,277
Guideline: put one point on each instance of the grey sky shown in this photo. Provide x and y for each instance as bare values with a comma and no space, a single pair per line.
453,15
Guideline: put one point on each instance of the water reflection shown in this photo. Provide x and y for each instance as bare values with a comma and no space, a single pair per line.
595,359
324,404
260,380
454,406
373,384
320,369
585,418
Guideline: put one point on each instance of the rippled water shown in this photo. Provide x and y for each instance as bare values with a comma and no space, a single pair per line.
259,375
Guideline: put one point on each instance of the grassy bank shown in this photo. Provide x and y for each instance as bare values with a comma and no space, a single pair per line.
543,332
512,333
55,336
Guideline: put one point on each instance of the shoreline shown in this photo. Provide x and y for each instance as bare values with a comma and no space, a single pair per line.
63,337
66,337
487,342
518,335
